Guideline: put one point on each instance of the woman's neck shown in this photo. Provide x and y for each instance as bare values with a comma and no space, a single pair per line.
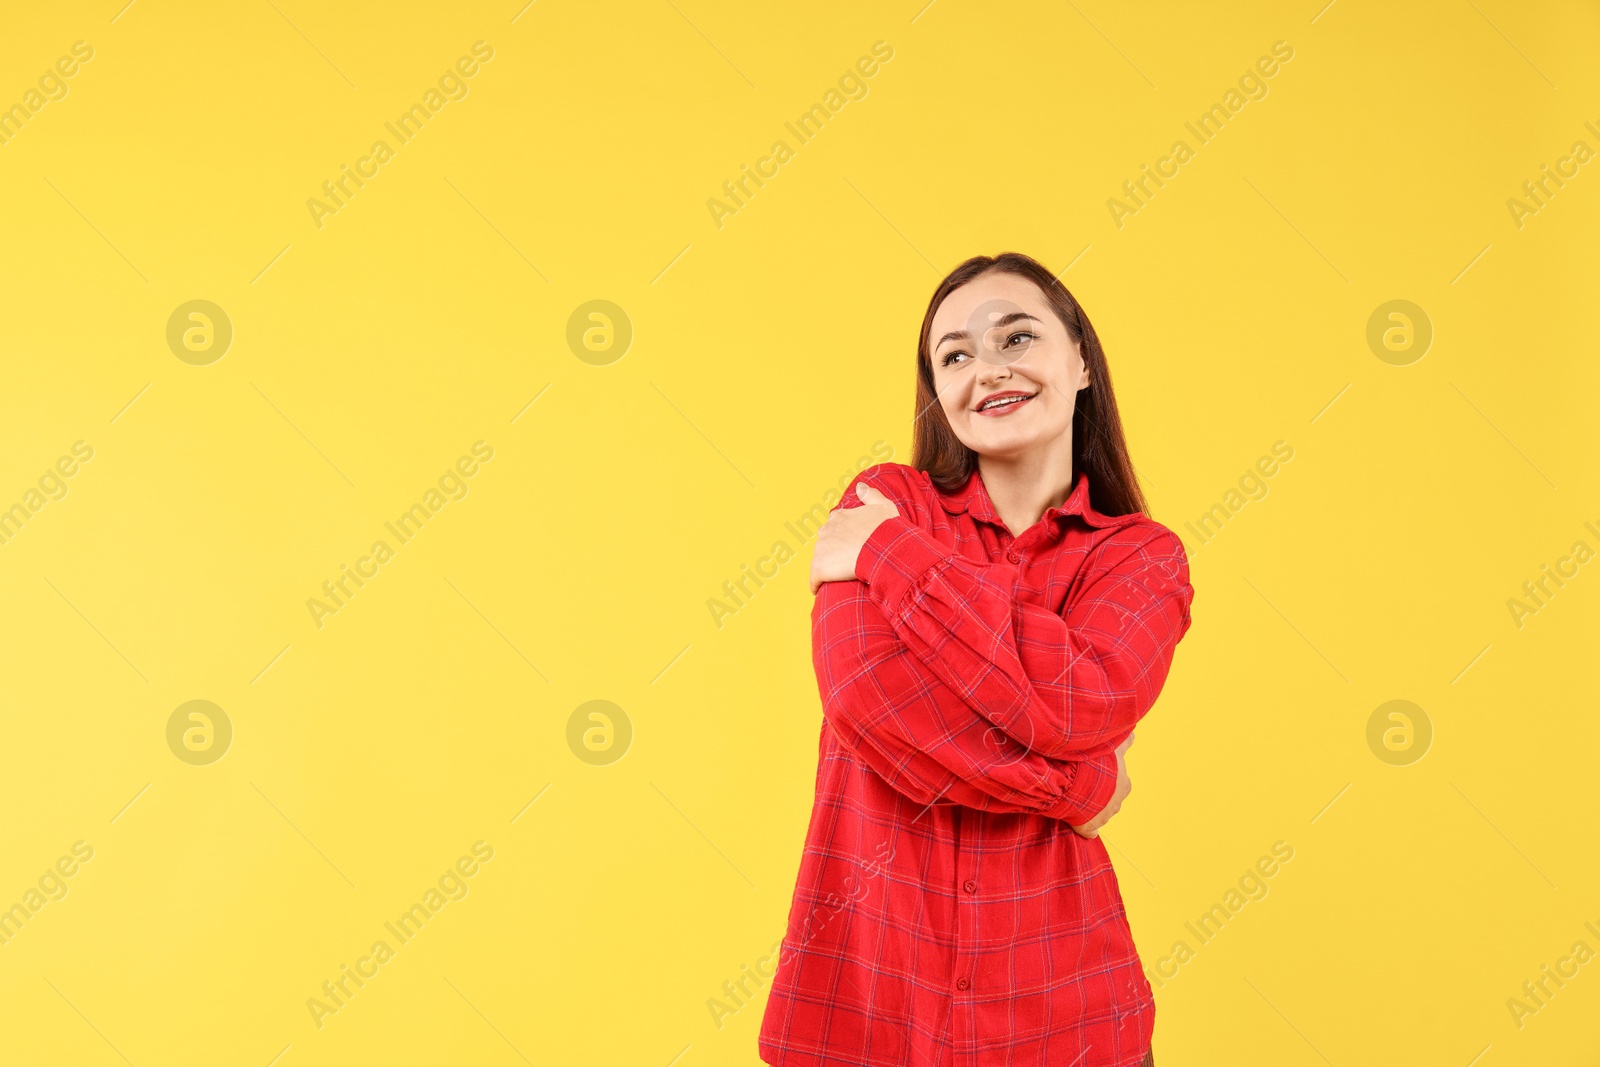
1023,488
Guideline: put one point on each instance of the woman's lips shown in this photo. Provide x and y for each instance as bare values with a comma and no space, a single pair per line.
1005,409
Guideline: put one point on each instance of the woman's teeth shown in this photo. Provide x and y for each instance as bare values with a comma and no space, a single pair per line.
1003,401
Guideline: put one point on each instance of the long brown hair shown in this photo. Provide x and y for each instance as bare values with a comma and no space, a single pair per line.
1098,447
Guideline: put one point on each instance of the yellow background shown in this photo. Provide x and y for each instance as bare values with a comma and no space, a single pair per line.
768,356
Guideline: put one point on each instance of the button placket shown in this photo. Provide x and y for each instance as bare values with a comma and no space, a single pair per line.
1018,545
967,908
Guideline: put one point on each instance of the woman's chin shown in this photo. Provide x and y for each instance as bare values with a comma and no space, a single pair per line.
1009,440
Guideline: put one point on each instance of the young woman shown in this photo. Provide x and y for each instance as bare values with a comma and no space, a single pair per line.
989,624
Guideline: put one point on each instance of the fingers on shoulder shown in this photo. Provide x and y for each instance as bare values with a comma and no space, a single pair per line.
894,480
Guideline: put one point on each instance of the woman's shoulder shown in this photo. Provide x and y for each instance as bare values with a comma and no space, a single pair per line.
908,488
1138,529
897,477
1138,544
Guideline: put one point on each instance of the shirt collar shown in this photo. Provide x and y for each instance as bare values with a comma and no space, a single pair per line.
974,499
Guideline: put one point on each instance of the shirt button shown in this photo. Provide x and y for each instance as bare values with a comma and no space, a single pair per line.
961,983
970,886
1011,554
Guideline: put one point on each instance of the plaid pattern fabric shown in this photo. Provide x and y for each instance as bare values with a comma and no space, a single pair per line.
974,689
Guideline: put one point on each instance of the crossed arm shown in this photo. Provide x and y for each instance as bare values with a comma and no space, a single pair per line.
921,737
939,677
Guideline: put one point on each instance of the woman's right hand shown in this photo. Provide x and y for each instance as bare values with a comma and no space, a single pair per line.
1124,787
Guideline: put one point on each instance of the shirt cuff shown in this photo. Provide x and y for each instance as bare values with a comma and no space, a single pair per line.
1090,791
894,558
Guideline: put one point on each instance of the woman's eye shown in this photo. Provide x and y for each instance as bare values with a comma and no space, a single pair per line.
1020,333
949,356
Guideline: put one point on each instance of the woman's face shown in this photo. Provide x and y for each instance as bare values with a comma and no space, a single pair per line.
996,336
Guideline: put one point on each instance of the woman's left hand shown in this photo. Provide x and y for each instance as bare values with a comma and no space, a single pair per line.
840,540
1124,787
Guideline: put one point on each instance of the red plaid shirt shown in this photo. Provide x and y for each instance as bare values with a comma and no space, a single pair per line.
974,687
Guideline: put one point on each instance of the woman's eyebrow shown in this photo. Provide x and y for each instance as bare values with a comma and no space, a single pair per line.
1004,320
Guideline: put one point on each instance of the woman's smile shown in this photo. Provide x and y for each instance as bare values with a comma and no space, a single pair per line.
998,405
